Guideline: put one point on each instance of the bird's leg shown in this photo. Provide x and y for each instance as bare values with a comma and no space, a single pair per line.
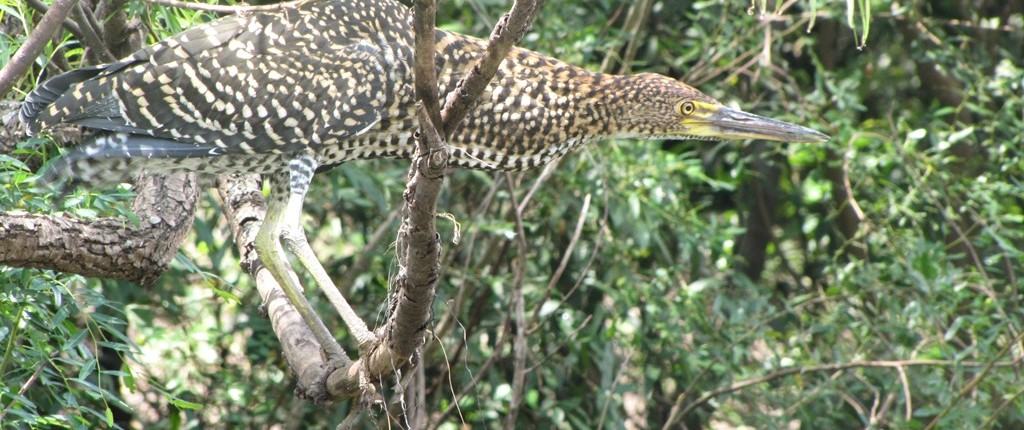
268,247
301,170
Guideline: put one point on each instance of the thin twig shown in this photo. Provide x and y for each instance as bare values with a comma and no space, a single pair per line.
908,399
29,383
518,305
365,256
679,410
990,421
68,24
976,380
541,179
636,18
508,32
559,348
480,374
564,262
598,242
448,375
92,35
610,392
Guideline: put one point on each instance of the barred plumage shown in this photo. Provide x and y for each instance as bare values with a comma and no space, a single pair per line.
334,80
289,92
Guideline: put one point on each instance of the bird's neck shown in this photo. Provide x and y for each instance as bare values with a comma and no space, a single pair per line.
535,109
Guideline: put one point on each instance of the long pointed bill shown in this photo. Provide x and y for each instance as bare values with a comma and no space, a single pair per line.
725,123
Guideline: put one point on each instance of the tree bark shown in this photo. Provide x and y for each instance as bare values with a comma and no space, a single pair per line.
112,248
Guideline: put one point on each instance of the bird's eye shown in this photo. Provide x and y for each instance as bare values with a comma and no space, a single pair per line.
685,108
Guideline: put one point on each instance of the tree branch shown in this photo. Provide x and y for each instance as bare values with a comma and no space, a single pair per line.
28,52
110,248
423,66
68,24
679,411
508,32
92,36
419,247
518,308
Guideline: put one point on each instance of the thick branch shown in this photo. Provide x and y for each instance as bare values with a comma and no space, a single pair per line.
28,52
419,246
112,248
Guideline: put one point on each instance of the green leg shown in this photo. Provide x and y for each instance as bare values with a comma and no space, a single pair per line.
268,247
301,172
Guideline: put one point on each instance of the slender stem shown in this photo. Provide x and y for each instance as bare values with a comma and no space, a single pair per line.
518,305
92,35
508,32
577,232
28,52
680,409
425,73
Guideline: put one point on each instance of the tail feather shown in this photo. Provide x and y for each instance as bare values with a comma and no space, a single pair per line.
50,91
118,157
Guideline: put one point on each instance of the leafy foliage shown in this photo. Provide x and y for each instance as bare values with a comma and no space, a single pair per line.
699,270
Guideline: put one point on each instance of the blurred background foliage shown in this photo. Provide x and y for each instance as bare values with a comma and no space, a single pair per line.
868,282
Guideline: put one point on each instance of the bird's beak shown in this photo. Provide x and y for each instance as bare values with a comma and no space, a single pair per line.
719,122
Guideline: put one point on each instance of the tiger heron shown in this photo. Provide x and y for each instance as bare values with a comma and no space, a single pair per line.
288,93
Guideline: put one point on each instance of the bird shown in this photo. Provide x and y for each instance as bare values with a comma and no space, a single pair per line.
289,93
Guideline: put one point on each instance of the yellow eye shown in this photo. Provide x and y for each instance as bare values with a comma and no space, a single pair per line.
685,108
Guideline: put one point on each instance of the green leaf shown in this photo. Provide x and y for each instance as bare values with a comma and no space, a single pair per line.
183,404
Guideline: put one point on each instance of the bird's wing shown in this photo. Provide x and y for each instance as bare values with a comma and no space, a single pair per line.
264,83
86,95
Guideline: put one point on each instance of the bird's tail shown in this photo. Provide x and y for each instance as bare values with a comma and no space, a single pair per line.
49,91
118,157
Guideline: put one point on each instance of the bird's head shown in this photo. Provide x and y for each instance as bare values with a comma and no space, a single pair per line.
655,106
